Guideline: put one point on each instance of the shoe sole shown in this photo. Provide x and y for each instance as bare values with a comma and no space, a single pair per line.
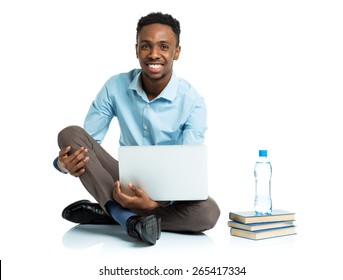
151,229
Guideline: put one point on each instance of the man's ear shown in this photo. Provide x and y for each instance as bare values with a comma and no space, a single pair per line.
136,46
177,53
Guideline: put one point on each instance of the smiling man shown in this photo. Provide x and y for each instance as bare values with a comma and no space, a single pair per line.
153,107
157,48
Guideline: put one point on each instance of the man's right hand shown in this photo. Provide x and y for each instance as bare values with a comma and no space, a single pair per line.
73,163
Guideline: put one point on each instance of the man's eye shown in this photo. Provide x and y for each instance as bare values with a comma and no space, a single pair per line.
145,47
164,47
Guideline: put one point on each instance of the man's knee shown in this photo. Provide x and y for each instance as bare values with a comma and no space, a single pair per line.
210,213
203,215
68,134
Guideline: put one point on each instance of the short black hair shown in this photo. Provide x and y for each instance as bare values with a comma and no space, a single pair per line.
158,17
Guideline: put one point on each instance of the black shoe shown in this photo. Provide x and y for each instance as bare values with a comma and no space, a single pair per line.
86,212
147,229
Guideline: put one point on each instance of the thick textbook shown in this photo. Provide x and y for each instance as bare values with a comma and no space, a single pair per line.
259,226
263,234
249,217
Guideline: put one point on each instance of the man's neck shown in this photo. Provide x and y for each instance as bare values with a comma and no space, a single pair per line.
153,88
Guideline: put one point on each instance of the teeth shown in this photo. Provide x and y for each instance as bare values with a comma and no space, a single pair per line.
155,66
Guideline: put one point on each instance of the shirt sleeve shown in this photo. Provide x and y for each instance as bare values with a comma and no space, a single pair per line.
100,114
196,125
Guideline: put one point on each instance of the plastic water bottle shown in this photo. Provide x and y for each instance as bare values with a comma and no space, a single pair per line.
263,175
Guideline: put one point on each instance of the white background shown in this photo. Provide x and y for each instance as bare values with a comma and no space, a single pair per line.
271,73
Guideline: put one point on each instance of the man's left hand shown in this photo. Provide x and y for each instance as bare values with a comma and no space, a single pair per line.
139,201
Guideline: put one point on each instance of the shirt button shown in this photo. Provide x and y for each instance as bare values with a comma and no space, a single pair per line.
145,127
148,106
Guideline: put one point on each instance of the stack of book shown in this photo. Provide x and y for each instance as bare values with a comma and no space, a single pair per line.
249,225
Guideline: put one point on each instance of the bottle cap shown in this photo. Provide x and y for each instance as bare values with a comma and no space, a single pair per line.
262,153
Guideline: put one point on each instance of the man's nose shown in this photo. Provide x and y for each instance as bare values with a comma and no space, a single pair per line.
155,53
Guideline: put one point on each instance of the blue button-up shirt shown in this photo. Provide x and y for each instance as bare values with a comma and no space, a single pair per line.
177,116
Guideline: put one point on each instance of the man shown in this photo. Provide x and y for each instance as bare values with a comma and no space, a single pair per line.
153,107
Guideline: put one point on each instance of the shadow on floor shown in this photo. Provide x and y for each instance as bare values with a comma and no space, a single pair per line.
112,238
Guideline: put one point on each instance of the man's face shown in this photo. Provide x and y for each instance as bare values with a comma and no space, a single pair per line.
156,50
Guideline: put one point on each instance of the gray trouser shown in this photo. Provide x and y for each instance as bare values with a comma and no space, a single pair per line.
102,172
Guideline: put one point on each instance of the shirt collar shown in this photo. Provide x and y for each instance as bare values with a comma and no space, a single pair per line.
168,93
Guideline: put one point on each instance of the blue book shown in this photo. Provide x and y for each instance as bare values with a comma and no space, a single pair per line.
249,217
259,226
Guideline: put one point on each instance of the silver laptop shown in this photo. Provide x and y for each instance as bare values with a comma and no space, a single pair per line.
173,172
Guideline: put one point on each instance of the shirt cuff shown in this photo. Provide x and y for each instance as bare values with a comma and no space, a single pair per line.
57,167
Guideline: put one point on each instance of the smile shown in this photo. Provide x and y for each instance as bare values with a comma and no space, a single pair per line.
155,66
